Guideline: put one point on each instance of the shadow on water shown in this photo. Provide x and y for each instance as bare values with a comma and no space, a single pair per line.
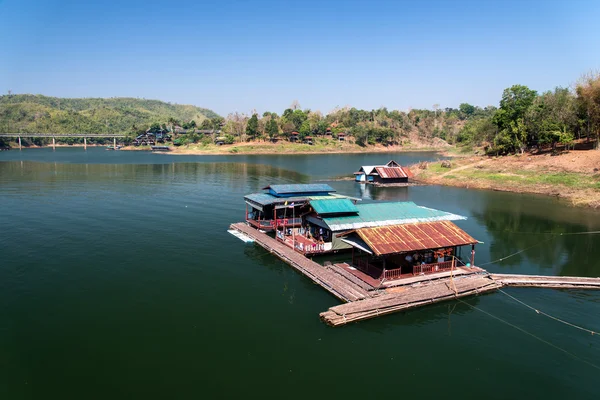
421,316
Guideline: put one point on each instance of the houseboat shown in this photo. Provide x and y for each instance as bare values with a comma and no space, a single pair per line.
392,172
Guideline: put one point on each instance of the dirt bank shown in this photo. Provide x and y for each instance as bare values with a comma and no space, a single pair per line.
573,175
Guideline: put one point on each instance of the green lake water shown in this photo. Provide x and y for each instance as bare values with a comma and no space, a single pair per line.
118,280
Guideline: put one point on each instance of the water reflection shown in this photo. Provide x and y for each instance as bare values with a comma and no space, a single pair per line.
257,175
539,239
391,193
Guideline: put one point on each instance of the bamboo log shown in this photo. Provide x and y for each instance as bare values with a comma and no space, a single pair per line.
335,316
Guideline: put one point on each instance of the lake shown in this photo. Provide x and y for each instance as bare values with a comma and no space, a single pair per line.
118,280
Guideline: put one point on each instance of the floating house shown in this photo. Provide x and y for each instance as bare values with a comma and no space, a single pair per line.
392,172
405,250
280,205
324,222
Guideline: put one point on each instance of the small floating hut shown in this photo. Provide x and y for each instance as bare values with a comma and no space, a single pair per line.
392,172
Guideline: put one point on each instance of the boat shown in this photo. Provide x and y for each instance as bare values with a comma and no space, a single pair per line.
160,148
113,147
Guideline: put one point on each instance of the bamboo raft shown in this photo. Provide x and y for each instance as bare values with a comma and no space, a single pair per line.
553,282
362,300
403,298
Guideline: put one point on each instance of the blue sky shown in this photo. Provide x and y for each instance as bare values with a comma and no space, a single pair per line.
244,55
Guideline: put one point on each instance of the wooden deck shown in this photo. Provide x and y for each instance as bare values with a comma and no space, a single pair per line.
367,297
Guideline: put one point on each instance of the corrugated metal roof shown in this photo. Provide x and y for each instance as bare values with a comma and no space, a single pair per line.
265,198
393,172
301,188
333,206
413,237
382,214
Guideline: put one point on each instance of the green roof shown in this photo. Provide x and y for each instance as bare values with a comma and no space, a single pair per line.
382,214
333,206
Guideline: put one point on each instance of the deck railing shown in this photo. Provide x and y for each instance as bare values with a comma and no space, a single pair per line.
289,221
310,248
434,267
262,223
421,269
391,274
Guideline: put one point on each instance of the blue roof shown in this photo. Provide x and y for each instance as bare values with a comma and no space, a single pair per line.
333,206
265,199
300,189
383,214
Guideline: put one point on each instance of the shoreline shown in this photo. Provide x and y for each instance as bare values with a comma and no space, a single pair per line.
287,149
569,176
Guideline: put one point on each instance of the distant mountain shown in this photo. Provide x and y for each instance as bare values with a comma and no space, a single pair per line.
41,114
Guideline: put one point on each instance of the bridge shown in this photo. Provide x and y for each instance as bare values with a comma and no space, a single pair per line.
63,135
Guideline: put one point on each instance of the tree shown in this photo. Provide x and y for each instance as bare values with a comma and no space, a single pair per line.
272,128
515,102
155,128
510,119
552,118
467,109
252,127
304,130
588,99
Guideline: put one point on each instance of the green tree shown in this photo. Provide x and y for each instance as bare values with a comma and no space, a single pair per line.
272,128
510,119
467,109
252,127
304,130
514,104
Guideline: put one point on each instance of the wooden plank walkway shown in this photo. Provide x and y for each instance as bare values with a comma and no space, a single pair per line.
402,298
333,282
554,282
340,269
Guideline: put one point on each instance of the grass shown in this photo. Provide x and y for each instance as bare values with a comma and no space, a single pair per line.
514,180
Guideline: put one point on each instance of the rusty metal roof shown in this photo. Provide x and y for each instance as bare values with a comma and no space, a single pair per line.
393,172
411,237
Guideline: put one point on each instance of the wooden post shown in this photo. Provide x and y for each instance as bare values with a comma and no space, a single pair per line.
20,143
472,255
84,143
115,147
53,143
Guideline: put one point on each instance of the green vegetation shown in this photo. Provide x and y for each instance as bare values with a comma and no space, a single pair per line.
526,119
42,114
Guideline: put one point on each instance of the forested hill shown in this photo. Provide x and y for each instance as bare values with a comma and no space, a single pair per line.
40,114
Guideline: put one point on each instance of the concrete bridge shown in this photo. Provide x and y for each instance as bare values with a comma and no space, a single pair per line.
63,135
